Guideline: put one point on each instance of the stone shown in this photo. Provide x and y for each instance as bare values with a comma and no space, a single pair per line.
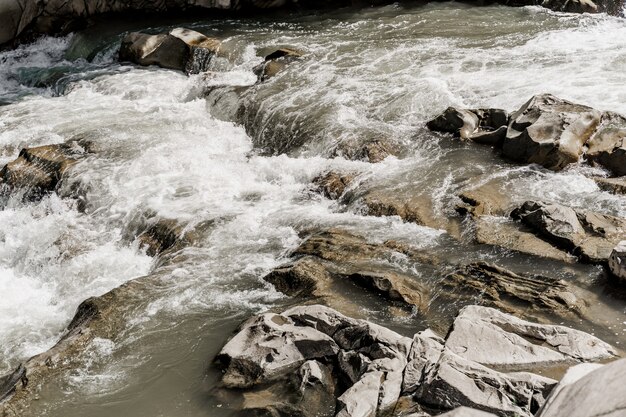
392,286
617,261
503,232
180,49
495,286
549,131
607,147
587,234
371,150
276,62
504,342
39,170
414,209
612,185
600,392
304,277
425,350
466,412
269,347
454,382
333,185
487,126
490,198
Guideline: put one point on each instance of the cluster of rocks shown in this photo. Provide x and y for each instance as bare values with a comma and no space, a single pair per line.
314,361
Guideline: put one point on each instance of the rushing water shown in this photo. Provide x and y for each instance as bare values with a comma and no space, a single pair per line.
164,150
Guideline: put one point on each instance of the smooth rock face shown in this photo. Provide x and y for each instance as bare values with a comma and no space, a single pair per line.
499,340
601,392
617,260
549,131
180,49
607,147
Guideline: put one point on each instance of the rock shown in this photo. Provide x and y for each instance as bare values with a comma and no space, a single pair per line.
361,399
180,49
487,126
498,287
549,131
425,350
587,234
269,347
612,185
162,235
572,375
490,199
305,277
607,147
392,286
373,150
501,341
39,170
617,260
453,382
504,233
466,412
275,62
599,393
414,209
333,185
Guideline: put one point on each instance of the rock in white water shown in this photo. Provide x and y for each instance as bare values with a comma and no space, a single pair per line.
500,340
617,260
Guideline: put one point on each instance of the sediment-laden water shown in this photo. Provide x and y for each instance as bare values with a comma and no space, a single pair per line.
165,150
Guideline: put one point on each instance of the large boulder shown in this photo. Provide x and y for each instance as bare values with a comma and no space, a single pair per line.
607,147
180,49
617,261
486,126
601,392
501,341
549,131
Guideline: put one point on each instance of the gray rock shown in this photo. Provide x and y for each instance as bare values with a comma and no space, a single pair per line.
269,347
492,338
361,399
612,185
180,49
601,392
466,412
425,350
607,147
453,382
549,131
617,260
487,126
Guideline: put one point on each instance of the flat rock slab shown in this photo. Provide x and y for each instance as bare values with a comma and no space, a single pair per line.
492,338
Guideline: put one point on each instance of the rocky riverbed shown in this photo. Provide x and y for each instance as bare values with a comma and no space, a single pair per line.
354,213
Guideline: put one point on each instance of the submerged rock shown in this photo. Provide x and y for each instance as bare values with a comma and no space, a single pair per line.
498,287
501,341
276,62
180,49
600,392
39,170
333,184
549,131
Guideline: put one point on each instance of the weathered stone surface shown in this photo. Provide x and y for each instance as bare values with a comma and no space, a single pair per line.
490,198
392,286
601,392
487,126
617,260
275,62
498,287
502,341
587,234
607,147
333,184
164,234
612,185
305,277
425,350
180,49
549,131
268,347
39,170
453,382
414,209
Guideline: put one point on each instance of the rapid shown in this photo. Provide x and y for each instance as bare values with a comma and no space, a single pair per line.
169,148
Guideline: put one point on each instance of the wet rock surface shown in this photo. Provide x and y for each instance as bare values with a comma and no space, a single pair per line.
180,49
276,62
374,370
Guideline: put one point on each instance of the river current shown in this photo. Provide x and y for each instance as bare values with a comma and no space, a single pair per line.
165,149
